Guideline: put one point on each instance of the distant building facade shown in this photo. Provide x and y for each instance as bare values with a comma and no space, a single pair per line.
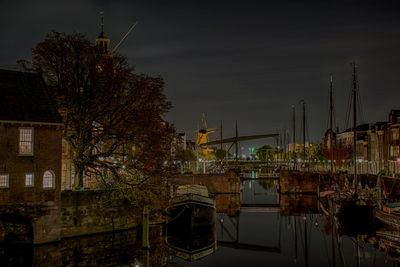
378,144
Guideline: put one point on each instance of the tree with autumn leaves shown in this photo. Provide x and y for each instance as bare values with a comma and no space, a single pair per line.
113,117
341,153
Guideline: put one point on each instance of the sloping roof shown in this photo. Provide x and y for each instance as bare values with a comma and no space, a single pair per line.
360,128
24,97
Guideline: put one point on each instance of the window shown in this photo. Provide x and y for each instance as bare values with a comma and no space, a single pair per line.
394,151
26,141
72,175
64,173
4,180
395,135
29,179
48,179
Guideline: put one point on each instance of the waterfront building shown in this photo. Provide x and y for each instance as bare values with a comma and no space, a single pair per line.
378,145
393,141
299,147
30,140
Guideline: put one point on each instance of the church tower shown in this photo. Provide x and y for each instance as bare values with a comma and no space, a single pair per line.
102,42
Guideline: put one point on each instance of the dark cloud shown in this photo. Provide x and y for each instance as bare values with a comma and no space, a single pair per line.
244,60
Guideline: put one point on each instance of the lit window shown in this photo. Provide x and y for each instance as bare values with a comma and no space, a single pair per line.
72,174
26,141
48,179
4,180
29,179
64,173
395,134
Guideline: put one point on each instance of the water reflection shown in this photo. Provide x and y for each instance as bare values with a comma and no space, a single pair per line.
101,250
257,228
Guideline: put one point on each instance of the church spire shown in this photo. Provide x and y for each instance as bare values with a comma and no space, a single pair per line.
102,42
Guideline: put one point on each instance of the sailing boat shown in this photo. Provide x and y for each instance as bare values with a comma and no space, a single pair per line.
353,216
326,189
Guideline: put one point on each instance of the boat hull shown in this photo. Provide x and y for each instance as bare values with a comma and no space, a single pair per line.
390,220
191,229
192,210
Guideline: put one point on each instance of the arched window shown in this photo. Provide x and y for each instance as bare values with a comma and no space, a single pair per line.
48,179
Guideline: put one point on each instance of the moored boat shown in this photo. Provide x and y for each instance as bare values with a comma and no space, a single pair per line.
191,229
192,203
390,215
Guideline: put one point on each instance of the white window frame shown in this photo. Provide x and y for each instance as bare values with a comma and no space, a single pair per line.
46,185
32,179
7,181
30,153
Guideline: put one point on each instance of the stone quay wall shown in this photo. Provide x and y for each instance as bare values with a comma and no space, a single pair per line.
299,182
78,213
225,183
95,211
30,223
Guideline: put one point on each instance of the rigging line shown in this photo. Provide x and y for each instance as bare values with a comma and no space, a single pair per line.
335,123
360,107
307,127
348,111
359,102
329,109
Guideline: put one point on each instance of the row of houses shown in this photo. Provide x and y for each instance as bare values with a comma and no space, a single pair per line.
378,144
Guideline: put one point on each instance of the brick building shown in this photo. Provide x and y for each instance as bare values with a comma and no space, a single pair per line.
30,140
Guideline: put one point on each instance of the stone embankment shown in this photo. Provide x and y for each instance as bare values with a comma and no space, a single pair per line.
95,211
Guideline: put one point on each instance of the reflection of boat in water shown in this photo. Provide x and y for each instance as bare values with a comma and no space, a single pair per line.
390,215
355,219
191,229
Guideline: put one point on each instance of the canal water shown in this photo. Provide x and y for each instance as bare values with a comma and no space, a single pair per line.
268,230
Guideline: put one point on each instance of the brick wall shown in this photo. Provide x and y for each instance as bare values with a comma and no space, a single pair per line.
46,156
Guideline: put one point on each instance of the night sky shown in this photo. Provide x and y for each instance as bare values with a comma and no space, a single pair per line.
236,60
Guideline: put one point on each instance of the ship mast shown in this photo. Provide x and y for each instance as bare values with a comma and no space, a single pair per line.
304,131
236,145
331,123
355,127
294,135
221,135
